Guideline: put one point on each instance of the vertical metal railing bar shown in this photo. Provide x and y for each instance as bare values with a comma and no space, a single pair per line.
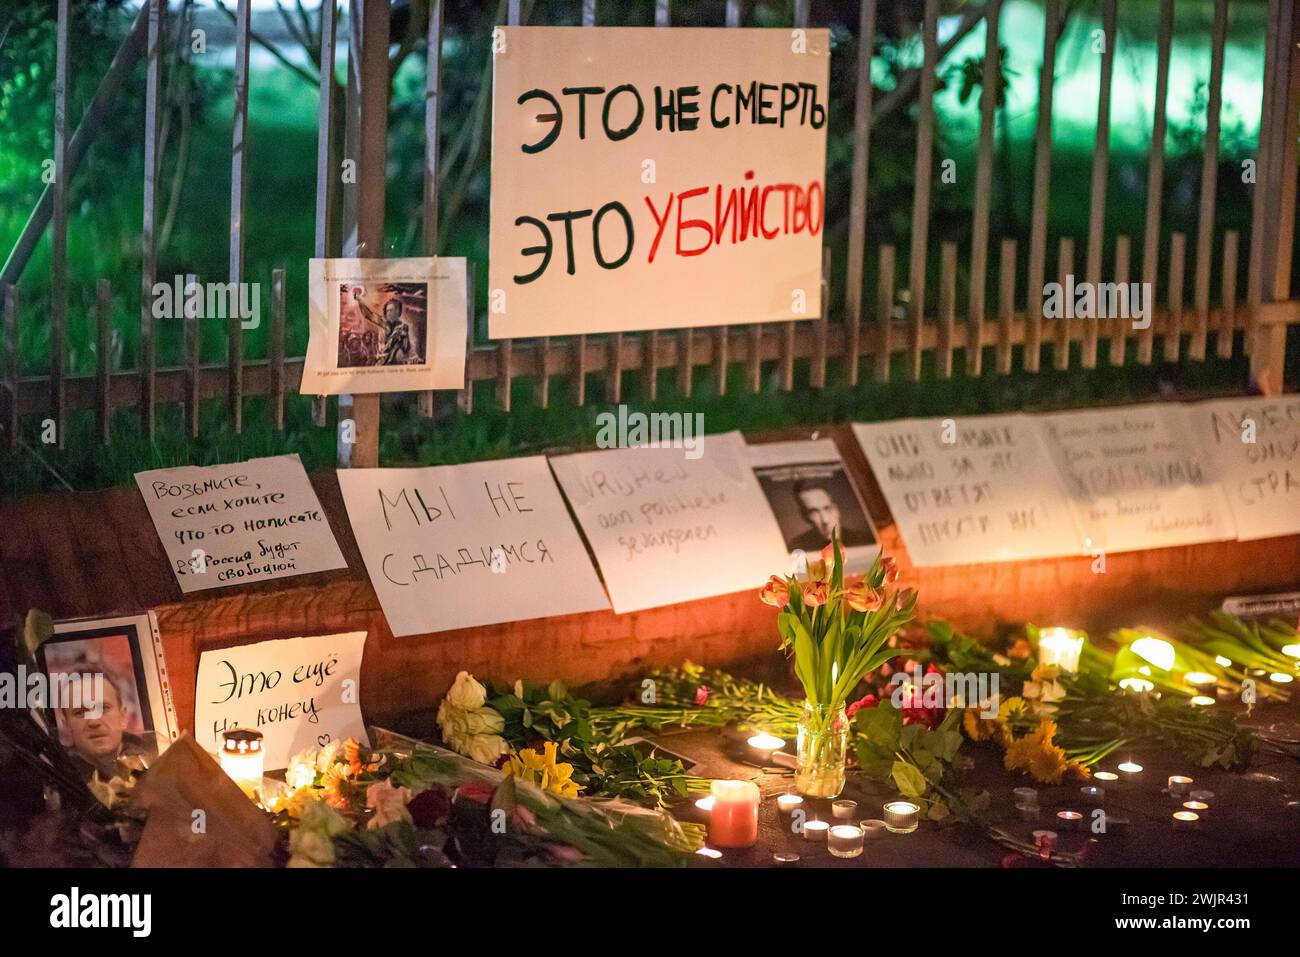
1155,173
1037,253
1209,181
325,171
59,232
922,186
193,358
238,188
1064,268
103,359
1100,179
1177,263
10,370
148,356
858,184
990,80
432,152
1123,265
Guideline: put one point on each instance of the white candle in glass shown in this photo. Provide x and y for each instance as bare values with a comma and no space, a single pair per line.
243,759
788,803
815,830
763,745
1061,647
845,840
902,817
1178,784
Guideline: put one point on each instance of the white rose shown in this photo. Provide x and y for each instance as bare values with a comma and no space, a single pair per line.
311,849
466,693
486,748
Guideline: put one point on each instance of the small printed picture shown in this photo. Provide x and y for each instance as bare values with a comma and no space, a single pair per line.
812,498
108,699
382,324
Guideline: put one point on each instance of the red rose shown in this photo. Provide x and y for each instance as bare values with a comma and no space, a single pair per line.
866,701
430,808
702,695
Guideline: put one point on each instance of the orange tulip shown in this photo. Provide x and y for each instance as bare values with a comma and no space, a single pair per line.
862,597
816,594
775,593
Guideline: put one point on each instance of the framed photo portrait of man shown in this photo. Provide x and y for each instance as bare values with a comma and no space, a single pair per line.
812,497
108,698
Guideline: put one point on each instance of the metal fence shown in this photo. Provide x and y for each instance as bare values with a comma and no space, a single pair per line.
985,322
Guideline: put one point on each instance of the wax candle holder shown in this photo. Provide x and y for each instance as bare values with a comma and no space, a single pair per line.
873,828
243,758
1185,820
1060,647
1199,807
1179,784
785,858
902,817
1069,820
1201,795
844,810
1025,797
762,747
1129,768
733,822
1093,794
788,803
844,840
815,831
1106,777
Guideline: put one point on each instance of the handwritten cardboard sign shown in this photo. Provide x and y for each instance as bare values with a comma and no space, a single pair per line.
386,325
667,528
1136,478
970,489
235,524
1252,448
456,546
648,179
299,692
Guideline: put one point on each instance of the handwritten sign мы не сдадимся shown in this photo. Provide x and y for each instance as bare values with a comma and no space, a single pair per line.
234,524
654,179
454,546
299,692
970,489
667,525
1252,448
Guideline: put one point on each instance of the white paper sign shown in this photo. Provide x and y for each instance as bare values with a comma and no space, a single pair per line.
651,179
234,524
385,325
1136,478
666,528
456,546
970,489
299,692
1252,448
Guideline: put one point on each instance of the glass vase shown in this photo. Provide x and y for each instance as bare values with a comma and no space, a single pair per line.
822,750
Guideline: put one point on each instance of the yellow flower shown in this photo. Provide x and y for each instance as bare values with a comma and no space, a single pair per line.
977,727
1036,754
543,770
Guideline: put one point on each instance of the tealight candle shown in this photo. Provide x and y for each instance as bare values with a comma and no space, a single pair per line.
1199,806
1199,795
873,828
902,817
709,852
1185,819
1068,820
1025,797
785,858
1093,794
1107,776
705,804
733,821
844,810
844,840
1130,767
1060,647
815,830
1178,784
1281,678
788,803
1198,679
1201,701
243,758
762,745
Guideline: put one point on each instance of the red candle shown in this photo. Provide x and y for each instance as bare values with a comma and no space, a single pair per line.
734,819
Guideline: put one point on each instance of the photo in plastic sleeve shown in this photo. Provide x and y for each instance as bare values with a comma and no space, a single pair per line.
382,323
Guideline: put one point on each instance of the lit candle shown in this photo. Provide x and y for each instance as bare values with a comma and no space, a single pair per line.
243,759
1060,647
844,840
873,828
1185,819
1201,701
709,852
1130,767
1198,679
1068,820
1107,776
1178,784
787,803
844,810
705,804
1093,794
1199,806
1281,678
901,817
762,746
815,830
1291,651
733,822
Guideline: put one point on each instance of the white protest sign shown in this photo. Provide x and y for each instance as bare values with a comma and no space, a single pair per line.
652,179
1252,448
970,489
299,692
385,325
1136,478
667,528
456,546
235,524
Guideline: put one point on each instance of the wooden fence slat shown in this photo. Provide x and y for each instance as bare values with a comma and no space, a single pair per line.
1228,294
787,356
1209,181
856,262
465,397
884,311
979,253
1259,194
685,360
614,366
11,365
1042,188
821,327
505,347
1064,269
148,355
193,362
1155,174
947,307
325,172
432,151
580,340
1120,326
275,351
1177,260
721,358
650,363
238,190
1006,303
1100,164
922,186
59,231
756,357
103,359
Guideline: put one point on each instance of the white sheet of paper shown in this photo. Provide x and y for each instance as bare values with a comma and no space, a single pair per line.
709,212
385,325
234,524
991,494
1136,478
455,546
666,528
299,692
1252,448
810,493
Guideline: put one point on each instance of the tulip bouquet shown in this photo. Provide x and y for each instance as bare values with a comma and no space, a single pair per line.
837,630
